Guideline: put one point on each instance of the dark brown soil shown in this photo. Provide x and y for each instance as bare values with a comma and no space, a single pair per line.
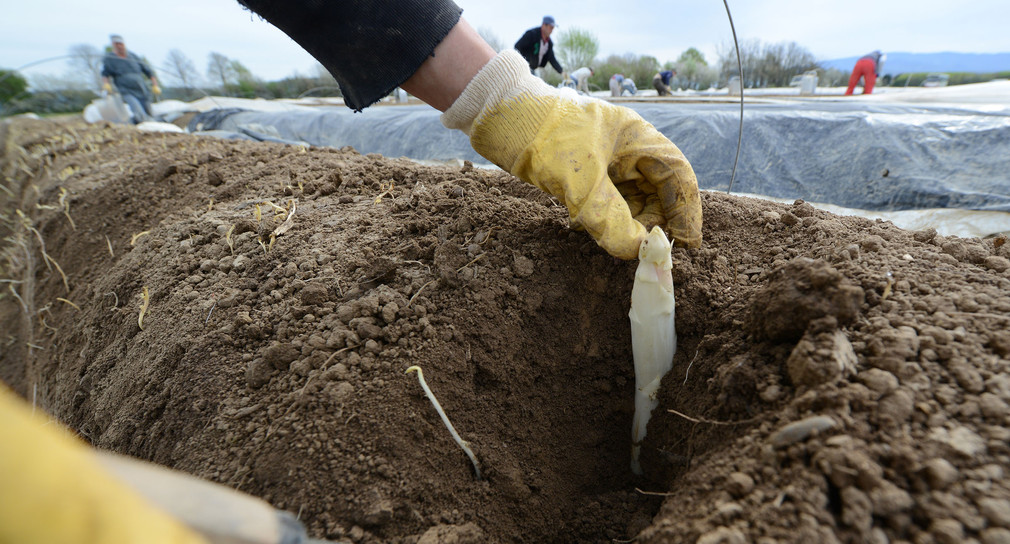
837,379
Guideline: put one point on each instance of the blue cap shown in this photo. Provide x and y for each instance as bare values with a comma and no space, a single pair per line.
548,20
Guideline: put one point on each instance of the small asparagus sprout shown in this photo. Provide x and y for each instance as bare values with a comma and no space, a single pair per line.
146,297
386,190
66,173
887,288
289,221
279,209
258,213
17,296
227,238
58,269
76,307
133,239
65,204
445,419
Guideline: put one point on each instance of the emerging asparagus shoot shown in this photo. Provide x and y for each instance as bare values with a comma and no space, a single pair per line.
653,336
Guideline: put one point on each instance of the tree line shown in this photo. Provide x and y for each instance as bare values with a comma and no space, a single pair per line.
764,65
178,74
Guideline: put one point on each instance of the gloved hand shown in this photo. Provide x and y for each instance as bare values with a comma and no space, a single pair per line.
156,89
616,174
54,490
107,87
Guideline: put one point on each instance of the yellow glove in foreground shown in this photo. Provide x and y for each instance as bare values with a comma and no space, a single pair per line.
156,90
614,171
54,491
107,88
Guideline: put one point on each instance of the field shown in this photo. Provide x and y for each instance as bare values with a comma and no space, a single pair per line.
245,312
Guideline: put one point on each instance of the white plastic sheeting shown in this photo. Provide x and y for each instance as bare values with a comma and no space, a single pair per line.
875,156
941,149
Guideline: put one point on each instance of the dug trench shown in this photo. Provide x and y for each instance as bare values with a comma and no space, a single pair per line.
837,379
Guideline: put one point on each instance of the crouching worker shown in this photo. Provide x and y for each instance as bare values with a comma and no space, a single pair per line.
661,81
580,79
127,71
620,85
868,69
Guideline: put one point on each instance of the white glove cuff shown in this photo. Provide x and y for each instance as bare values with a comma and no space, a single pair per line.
506,76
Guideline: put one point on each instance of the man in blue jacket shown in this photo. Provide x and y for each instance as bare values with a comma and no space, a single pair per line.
537,47
661,81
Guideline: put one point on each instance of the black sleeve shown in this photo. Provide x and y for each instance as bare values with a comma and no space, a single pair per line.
145,68
525,44
554,61
369,46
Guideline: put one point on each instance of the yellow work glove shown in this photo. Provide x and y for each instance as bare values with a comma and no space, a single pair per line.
156,89
617,175
106,87
52,490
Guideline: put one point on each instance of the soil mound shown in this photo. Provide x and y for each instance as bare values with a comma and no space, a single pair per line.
245,312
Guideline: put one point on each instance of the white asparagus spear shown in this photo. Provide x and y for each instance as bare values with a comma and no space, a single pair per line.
653,336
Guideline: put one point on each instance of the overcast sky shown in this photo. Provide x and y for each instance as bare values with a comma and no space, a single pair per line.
33,30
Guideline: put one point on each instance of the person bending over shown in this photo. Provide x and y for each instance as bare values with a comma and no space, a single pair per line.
127,70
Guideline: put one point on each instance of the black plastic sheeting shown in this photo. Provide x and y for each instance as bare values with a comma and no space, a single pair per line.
878,157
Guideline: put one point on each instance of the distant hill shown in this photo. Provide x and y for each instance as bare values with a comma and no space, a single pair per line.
903,63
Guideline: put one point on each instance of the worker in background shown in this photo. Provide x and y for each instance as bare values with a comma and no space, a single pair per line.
126,71
620,84
616,174
580,78
536,46
628,86
661,81
868,69
615,85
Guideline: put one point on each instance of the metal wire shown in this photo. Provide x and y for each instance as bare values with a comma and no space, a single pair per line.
739,64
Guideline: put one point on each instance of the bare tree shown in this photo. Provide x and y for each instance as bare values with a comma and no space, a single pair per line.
766,65
796,60
87,60
750,54
219,68
49,82
833,77
179,68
